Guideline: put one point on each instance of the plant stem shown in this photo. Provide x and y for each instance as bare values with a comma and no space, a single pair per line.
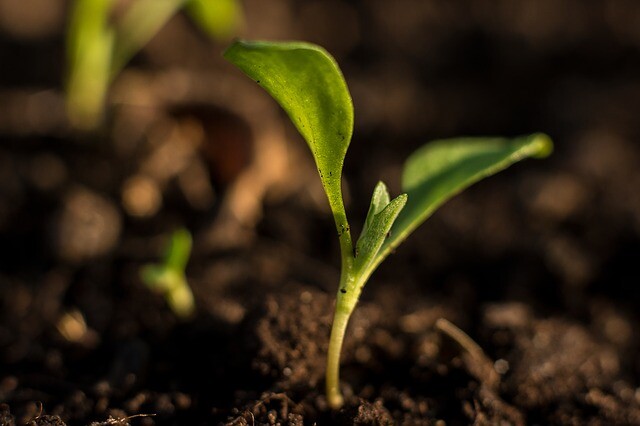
340,321
346,298
344,232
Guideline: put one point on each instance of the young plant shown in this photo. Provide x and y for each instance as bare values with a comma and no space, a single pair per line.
306,81
168,278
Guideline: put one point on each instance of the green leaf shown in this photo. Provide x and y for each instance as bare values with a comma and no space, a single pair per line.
180,300
306,81
154,276
441,169
179,250
142,20
168,278
377,232
379,201
218,18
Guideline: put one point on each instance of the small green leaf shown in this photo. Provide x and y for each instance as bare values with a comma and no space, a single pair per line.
377,232
169,279
441,169
379,201
306,81
218,18
179,250
154,276
181,300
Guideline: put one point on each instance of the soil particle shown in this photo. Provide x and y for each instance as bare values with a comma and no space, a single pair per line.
6,419
129,365
559,360
111,421
367,414
270,410
47,421
614,406
87,226
292,349
487,408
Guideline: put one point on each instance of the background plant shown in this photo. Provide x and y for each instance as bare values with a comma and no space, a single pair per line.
169,278
307,82
98,49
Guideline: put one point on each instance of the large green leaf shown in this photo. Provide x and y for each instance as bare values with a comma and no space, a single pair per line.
441,169
306,81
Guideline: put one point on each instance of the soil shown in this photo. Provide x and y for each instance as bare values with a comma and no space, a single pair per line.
537,267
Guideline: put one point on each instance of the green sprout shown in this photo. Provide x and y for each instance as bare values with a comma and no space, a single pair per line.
168,277
98,49
308,84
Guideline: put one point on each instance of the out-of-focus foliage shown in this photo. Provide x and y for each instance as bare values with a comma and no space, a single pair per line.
168,278
90,42
98,50
140,23
218,18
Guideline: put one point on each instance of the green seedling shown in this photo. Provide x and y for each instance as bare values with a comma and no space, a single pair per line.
99,47
168,278
306,81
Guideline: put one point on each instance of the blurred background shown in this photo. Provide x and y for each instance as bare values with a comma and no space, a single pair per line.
103,157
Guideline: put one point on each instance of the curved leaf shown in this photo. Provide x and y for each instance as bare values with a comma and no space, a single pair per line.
306,81
441,169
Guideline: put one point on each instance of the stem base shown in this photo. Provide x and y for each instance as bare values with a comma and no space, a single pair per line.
340,321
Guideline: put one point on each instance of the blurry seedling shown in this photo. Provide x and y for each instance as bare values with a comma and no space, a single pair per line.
168,278
98,49
306,81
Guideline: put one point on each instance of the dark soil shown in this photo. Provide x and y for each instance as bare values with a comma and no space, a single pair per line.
538,266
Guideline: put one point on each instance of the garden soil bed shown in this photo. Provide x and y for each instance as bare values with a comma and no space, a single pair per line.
538,266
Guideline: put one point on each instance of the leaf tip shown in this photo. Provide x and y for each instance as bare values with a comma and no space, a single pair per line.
400,201
380,186
542,145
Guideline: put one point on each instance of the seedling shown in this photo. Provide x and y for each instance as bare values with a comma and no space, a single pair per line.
306,81
168,278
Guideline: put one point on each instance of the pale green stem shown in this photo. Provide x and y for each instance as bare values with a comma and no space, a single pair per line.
340,321
334,193
344,305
